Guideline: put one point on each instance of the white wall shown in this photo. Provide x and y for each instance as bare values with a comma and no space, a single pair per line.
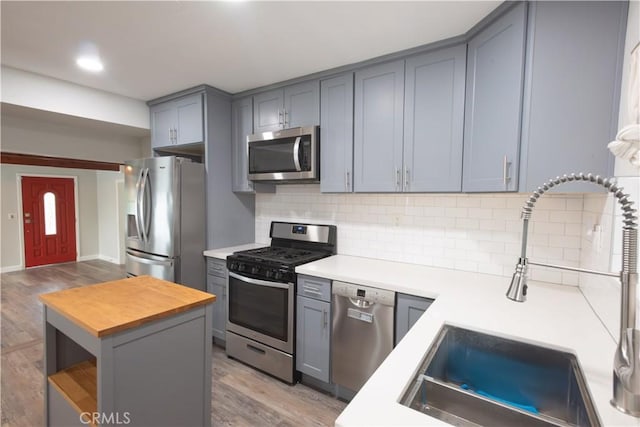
45,93
12,253
472,232
623,167
109,233
29,136
602,251
97,196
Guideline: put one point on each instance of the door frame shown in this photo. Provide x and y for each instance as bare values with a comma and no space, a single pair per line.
19,176
121,222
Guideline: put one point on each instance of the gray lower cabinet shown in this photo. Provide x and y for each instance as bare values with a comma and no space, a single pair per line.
313,327
409,308
217,285
292,106
336,125
378,123
572,90
495,66
177,122
241,127
434,121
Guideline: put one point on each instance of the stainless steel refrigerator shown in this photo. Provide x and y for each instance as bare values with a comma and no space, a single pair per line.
166,234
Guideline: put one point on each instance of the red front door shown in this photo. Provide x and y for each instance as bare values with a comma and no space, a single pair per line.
48,215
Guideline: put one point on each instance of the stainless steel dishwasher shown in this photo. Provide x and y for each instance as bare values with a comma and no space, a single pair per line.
361,332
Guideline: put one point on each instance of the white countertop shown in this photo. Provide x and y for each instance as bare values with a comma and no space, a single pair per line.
222,253
553,316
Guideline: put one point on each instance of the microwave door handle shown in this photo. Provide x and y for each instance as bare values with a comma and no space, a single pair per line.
296,154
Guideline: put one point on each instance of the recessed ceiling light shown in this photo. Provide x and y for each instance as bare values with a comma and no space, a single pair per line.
90,63
88,57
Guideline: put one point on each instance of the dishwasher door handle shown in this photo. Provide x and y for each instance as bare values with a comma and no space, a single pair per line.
360,315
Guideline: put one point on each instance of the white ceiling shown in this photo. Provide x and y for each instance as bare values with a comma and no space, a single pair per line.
153,48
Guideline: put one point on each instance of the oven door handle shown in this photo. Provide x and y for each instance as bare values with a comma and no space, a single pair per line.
260,282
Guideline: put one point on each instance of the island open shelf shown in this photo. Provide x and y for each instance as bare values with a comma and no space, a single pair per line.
135,351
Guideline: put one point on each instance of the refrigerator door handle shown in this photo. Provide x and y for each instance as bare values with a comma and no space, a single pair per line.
146,208
150,261
138,206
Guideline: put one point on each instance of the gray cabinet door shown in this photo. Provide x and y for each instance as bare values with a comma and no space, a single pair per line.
495,62
302,104
572,87
378,123
189,120
409,308
434,120
336,126
241,126
313,337
218,287
268,111
162,122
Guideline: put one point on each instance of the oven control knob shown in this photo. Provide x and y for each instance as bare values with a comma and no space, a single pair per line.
268,273
254,270
277,276
241,267
234,266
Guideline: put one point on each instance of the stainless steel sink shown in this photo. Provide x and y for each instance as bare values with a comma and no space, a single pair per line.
473,379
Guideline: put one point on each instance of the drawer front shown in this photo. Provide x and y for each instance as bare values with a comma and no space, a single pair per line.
314,287
217,280
216,267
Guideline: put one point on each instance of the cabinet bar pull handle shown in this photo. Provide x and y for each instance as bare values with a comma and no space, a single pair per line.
325,319
506,164
346,182
171,135
286,118
280,118
398,179
256,349
406,178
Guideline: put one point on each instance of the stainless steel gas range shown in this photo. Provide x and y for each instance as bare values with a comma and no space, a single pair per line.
261,299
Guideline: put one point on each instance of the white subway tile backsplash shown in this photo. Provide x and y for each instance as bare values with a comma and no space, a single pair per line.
472,232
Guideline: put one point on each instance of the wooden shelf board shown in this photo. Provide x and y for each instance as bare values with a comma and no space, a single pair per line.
78,385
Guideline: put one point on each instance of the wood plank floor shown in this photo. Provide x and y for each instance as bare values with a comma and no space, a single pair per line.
241,395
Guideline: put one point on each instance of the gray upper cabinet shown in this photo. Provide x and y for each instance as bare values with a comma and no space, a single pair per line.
378,125
572,88
302,104
336,126
162,124
292,106
241,126
495,64
434,120
267,111
177,122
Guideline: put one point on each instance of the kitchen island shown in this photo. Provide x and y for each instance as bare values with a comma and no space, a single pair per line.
554,316
134,351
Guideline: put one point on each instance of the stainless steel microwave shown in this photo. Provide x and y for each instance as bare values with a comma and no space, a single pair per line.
286,155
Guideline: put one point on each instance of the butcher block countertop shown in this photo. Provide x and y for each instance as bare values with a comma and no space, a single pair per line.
110,307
